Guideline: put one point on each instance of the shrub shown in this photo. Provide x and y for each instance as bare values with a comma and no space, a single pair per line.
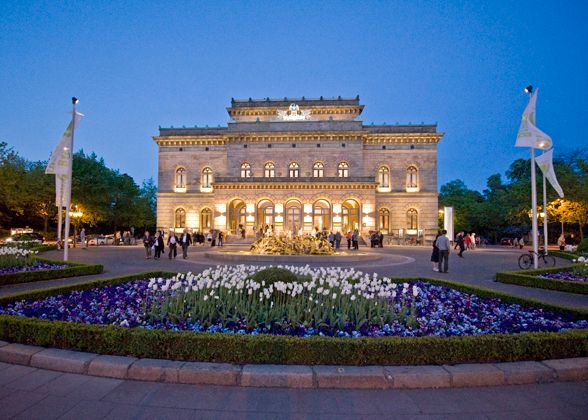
273,274
583,247
528,278
72,270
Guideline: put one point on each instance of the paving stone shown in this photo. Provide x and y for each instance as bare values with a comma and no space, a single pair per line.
62,360
51,407
13,373
111,366
277,376
209,373
89,410
418,376
34,380
18,353
17,402
356,377
575,369
526,372
155,370
475,375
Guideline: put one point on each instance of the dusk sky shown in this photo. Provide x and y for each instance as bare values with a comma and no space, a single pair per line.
136,65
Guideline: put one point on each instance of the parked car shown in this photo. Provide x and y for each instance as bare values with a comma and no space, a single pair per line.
32,237
506,241
100,240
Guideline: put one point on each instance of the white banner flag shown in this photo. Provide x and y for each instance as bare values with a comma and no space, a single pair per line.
529,135
59,163
545,162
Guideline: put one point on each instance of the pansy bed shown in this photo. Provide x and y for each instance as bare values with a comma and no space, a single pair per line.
573,279
248,314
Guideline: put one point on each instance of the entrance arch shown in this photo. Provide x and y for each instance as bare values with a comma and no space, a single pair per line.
321,215
293,220
265,214
237,215
350,216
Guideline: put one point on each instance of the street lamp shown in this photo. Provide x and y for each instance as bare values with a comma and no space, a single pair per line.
77,215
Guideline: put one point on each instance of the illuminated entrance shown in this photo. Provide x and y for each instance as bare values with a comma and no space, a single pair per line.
237,215
350,215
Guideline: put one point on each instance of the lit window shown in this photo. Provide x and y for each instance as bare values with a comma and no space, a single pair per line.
384,220
205,219
412,219
269,170
412,178
384,177
245,170
206,182
318,170
343,170
180,218
294,170
180,178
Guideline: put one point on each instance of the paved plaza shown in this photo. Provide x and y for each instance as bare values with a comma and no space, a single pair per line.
28,392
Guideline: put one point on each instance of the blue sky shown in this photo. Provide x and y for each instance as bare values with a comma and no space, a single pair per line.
136,65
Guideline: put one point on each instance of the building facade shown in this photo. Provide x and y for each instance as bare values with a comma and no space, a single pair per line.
299,165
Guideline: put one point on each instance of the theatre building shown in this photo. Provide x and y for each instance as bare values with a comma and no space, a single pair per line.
299,164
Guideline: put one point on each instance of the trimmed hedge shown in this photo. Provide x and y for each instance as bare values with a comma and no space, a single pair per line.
563,254
272,349
528,278
44,248
72,270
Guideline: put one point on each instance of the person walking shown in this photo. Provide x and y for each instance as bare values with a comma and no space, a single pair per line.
158,245
83,238
435,253
147,243
172,242
444,246
349,236
460,244
185,242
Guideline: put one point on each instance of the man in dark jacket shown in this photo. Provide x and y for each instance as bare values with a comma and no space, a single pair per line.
185,242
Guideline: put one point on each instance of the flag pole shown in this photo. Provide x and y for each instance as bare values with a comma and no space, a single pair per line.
74,101
59,217
534,232
545,213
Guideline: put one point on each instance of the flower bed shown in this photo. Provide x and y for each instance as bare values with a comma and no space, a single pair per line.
36,266
573,279
44,269
452,325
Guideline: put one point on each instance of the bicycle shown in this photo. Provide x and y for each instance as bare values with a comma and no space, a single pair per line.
545,260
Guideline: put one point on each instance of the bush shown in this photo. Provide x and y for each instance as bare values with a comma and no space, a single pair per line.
262,349
528,278
72,270
273,274
583,247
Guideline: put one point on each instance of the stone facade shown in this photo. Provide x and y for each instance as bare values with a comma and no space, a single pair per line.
299,164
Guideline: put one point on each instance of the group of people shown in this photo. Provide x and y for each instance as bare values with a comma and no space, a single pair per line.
335,239
155,244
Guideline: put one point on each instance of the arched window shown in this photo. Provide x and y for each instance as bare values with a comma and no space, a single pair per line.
180,218
294,170
384,220
384,177
205,219
269,170
321,215
343,170
412,178
318,169
180,178
206,181
245,170
412,219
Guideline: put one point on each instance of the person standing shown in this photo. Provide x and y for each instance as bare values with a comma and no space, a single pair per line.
338,237
460,244
185,242
435,253
147,243
561,242
381,240
172,242
158,245
355,239
348,237
220,238
443,246
83,238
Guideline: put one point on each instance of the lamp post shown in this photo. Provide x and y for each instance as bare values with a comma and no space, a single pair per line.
77,215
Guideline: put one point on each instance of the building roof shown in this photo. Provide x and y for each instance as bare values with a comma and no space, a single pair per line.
284,102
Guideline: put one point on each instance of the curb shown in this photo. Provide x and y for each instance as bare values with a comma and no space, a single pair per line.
296,376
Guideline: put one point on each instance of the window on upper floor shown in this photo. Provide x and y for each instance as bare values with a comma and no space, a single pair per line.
269,170
245,170
180,180
293,170
318,170
412,182
384,177
206,180
343,170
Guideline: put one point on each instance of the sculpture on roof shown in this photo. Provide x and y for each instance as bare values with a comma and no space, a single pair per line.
294,114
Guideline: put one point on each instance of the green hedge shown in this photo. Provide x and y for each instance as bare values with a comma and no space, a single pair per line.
528,278
564,254
44,248
262,348
72,270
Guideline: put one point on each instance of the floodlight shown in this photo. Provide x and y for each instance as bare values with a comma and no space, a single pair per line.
74,100
529,89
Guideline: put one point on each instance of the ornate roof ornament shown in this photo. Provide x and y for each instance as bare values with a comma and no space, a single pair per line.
294,114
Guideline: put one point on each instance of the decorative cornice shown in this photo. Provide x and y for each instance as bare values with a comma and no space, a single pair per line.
168,141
